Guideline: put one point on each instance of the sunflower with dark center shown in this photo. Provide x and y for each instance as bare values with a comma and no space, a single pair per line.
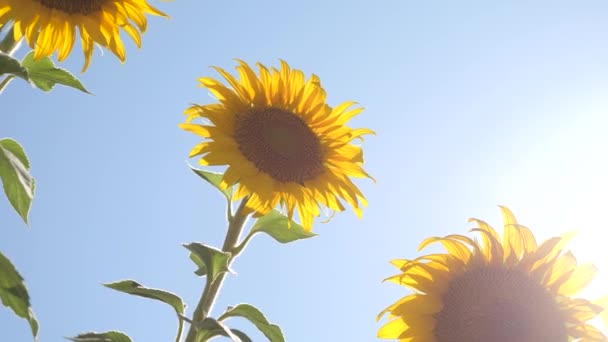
282,143
499,290
50,25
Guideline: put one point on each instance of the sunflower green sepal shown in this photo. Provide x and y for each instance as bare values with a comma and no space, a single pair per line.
13,293
16,179
211,262
108,336
256,317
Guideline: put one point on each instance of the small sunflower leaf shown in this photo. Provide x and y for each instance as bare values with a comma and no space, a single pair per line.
256,317
210,261
13,293
9,65
17,182
108,336
214,179
210,328
44,75
133,288
277,226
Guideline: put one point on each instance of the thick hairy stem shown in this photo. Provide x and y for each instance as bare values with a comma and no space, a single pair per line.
212,288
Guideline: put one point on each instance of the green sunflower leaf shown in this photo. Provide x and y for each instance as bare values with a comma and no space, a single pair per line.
210,328
256,317
214,179
14,293
276,225
210,261
202,269
108,336
44,75
9,65
17,182
133,288
241,335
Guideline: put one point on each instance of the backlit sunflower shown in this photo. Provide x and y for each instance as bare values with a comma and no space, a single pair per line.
499,290
50,25
281,142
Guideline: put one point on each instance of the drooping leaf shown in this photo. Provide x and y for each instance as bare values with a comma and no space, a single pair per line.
44,75
17,182
108,336
241,335
14,293
276,225
134,288
214,179
9,65
256,317
209,328
210,261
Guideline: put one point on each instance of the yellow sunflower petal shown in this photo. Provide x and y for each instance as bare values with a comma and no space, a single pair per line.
492,248
603,303
505,289
50,25
263,129
401,329
579,279
455,248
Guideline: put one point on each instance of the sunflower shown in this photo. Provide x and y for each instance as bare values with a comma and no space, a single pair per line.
50,25
282,143
496,290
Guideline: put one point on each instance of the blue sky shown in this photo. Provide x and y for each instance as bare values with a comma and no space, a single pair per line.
475,105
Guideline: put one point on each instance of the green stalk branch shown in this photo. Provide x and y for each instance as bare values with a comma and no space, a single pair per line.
180,329
240,247
212,287
5,82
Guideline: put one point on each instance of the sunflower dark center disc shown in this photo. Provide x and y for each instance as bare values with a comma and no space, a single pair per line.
280,144
499,305
74,6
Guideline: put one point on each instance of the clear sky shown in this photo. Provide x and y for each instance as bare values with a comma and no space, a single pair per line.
475,103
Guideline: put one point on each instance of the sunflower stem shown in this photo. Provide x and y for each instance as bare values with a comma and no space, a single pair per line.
212,287
241,246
